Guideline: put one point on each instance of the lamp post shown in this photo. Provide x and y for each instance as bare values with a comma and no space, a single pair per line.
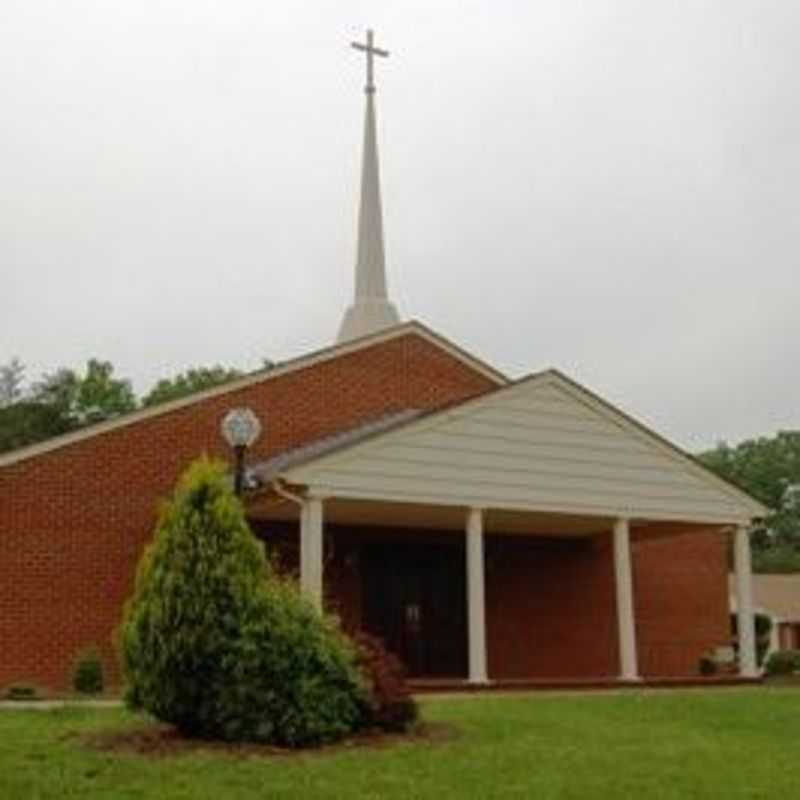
240,428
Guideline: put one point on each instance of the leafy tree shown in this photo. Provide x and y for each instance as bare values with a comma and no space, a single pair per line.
95,396
768,468
28,422
185,383
776,558
101,395
59,391
12,376
215,643
765,467
61,402
64,400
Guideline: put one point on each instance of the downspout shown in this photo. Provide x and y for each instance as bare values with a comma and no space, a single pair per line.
280,489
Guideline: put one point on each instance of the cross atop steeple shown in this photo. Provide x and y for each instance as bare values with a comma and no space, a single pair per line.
371,309
371,52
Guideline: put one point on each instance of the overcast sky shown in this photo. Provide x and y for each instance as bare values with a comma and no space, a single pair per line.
608,186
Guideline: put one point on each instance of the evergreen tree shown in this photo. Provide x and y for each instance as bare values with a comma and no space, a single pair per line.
214,642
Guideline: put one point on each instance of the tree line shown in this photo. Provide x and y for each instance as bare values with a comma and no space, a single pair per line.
768,468
68,399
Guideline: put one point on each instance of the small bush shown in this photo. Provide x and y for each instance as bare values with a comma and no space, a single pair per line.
87,677
707,666
763,625
783,662
215,643
390,704
763,628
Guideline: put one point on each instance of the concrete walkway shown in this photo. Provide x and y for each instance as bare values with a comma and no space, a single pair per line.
51,705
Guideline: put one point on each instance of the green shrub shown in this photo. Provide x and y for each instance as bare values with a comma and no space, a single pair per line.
707,666
763,628
783,662
391,706
87,677
296,682
215,643
763,625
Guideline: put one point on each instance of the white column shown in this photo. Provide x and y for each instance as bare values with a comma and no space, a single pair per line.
626,626
744,603
311,550
476,601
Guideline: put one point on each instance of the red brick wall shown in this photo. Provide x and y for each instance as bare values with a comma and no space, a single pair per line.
73,522
550,609
680,586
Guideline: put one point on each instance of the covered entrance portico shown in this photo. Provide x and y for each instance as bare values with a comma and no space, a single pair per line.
483,594
563,518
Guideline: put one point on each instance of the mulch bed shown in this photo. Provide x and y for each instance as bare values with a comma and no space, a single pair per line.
164,741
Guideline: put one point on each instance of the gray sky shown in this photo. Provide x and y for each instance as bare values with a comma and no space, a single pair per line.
607,186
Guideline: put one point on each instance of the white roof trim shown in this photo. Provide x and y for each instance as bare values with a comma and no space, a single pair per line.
751,507
293,365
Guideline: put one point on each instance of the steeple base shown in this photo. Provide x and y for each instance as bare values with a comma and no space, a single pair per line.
367,316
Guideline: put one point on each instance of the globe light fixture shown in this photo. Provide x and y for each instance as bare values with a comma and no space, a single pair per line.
240,429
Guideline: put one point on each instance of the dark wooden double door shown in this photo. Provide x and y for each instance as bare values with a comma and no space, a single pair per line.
414,599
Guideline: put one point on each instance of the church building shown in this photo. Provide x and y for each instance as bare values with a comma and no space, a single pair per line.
490,530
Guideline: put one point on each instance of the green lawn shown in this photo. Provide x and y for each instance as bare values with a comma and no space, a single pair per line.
733,743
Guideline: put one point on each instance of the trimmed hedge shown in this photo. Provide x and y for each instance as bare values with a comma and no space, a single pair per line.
214,642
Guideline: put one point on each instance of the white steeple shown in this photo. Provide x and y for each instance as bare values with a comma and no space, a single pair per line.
371,310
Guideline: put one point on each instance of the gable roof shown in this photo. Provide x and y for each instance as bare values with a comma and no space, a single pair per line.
543,442
283,368
266,471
